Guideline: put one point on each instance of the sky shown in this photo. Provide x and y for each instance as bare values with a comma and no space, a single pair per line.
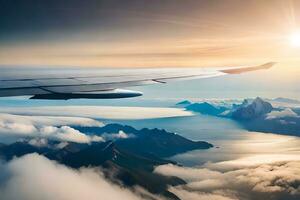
153,34
169,33
141,33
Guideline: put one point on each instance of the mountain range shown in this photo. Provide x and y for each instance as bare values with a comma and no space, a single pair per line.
128,161
256,115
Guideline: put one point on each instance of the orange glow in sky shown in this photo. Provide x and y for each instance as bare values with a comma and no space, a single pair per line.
196,34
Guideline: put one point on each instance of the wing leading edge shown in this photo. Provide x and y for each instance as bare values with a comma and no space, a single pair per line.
99,84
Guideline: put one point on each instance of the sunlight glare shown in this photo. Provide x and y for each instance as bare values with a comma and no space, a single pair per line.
295,39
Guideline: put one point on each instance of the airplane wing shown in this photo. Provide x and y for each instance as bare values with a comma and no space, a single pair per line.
66,84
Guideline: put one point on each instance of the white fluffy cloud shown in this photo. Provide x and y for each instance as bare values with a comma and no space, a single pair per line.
43,127
66,133
281,114
279,180
114,136
103,112
34,177
53,122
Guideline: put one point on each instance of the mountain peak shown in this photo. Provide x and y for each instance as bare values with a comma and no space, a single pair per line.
185,102
249,110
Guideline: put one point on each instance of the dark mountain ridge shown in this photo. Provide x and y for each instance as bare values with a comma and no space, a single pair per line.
147,142
126,161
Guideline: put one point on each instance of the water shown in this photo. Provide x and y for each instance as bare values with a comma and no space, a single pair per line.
231,142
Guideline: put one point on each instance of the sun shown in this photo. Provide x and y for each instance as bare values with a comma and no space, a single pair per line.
295,39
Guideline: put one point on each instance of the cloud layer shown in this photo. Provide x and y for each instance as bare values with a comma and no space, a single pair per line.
50,120
100,112
287,112
272,181
51,180
56,128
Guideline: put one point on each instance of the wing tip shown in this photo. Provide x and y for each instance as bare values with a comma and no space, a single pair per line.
268,65
249,69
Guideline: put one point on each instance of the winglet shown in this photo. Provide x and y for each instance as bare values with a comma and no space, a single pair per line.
248,69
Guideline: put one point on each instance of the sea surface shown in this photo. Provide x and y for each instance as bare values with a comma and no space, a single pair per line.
230,140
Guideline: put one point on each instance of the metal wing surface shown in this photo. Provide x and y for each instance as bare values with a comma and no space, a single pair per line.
53,83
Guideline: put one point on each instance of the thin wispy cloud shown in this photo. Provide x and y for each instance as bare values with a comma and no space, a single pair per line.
103,112
133,34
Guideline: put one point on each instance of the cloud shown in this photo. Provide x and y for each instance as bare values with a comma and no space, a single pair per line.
187,195
34,177
42,127
66,133
50,120
189,174
100,112
279,180
287,112
39,142
42,142
285,122
119,135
